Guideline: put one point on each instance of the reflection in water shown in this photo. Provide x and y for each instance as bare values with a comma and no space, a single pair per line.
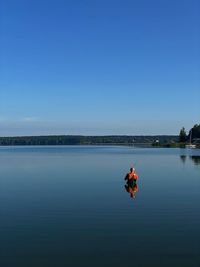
183,158
195,159
131,187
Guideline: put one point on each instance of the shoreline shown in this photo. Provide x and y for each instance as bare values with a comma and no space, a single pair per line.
137,145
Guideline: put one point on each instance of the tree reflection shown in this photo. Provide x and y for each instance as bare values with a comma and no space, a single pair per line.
183,158
194,158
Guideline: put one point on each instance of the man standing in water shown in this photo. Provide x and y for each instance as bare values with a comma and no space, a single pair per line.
131,185
132,175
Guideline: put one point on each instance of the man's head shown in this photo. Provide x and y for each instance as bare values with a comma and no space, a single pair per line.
132,169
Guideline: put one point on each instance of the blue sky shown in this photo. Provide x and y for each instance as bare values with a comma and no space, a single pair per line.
99,67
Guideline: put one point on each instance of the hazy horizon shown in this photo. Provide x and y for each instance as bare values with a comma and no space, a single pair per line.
26,128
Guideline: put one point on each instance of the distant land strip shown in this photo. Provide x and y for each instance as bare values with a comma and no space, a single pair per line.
87,140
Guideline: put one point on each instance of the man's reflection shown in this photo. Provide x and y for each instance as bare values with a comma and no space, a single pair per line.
131,188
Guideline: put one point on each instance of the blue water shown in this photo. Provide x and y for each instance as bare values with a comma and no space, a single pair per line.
67,206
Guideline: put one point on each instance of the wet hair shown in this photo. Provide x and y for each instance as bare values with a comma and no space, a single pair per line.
131,169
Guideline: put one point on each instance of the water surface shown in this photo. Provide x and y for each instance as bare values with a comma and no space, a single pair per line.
67,206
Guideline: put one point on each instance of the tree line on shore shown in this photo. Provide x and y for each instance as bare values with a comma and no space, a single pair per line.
86,140
192,136
156,140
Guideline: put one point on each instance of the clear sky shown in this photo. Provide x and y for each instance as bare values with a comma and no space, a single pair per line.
97,67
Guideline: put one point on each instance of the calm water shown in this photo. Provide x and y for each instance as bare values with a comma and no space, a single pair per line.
67,206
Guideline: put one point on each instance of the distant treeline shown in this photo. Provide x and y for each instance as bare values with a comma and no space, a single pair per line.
86,140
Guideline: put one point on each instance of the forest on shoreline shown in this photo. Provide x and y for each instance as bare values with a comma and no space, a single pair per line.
180,140
86,140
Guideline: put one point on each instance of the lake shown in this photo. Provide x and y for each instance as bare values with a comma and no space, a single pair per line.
68,206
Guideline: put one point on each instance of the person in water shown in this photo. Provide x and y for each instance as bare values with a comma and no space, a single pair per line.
131,185
132,175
